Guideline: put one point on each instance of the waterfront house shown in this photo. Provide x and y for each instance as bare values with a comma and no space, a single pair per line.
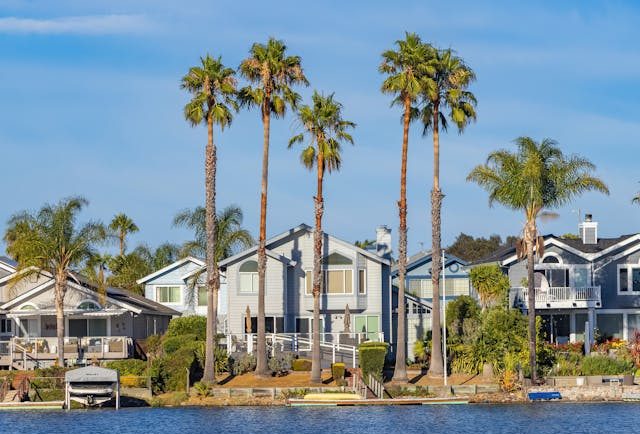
419,290
97,327
586,286
181,286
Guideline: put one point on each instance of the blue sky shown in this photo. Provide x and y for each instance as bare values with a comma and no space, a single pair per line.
90,105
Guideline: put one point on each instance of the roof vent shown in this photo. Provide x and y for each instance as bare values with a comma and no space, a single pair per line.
588,230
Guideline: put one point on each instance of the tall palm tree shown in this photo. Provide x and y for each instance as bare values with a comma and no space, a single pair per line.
536,177
405,69
122,225
95,270
322,122
127,269
50,241
213,90
272,74
230,237
365,244
446,89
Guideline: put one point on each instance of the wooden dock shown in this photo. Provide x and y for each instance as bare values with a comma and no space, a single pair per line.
32,405
360,402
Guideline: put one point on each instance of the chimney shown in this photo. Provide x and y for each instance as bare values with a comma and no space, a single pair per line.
383,241
588,230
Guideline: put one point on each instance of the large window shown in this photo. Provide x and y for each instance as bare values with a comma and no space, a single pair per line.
249,277
454,286
305,325
6,325
202,295
80,328
335,282
368,324
272,324
610,325
168,294
629,279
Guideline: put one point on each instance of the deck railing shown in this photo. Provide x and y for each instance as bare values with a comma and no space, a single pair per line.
42,348
559,294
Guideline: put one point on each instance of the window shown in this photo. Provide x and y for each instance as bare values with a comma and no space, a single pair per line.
610,325
28,307
80,328
202,295
337,259
5,326
272,324
88,305
335,282
305,325
629,279
362,281
368,324
168,294
550,259
249,277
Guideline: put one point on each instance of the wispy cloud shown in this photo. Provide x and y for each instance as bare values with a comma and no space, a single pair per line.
80,25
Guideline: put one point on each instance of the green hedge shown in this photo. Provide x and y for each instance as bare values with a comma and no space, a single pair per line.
301,365
188,325
338,371
169,373
372,356
605,365
134,367
171,344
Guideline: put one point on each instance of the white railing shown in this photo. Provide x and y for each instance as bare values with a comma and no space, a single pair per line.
559,294
344,343
74,348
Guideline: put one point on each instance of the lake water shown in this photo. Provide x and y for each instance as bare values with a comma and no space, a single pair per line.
508,418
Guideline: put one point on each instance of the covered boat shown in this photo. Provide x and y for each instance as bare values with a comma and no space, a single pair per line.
92,386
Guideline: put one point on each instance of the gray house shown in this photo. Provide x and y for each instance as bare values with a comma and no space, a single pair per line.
96,326
591,282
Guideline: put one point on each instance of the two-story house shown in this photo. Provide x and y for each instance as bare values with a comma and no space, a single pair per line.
585,286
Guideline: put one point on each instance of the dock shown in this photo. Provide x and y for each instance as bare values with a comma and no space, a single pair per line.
32,405
365,402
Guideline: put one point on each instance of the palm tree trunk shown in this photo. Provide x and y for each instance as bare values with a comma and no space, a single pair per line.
212,266
261,350
436,368
122,236
60,290
400,371
530,237
316,371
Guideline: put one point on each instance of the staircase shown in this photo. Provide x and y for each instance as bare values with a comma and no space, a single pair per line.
371,389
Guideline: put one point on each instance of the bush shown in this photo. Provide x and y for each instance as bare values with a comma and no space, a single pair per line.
338,371
245,363
460,310
174,343
169,373
222,360
128,367
604,365
372,356
301,365
280,365
202,389
132,381
188,325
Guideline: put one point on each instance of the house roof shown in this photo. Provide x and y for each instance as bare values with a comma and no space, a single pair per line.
425,256
300,228
170,267
8,264
590,252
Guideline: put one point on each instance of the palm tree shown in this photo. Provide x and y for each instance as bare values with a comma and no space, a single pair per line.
365,244
213,90
122,225
446,89
95,270
536,177
273,74
230,238
636,199
323,124
127,269
406,69
51,242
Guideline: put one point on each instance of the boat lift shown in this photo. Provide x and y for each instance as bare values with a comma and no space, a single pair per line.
92,386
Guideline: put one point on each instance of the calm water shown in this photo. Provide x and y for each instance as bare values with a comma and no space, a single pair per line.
538,418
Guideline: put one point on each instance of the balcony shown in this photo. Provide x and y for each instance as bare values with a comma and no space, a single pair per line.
561,297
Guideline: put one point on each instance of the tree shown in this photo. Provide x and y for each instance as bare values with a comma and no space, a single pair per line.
490,283
472,249
636,199
122,225
273,74
230,236
128,268
95,270
51,242
405,69
365,244
446,88
536,177
322,122
213,89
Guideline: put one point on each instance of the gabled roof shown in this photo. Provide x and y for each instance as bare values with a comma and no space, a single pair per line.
300,228
590,252
170,267
8,264
425,256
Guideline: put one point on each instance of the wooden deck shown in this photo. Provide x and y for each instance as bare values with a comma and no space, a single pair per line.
29,405
396,401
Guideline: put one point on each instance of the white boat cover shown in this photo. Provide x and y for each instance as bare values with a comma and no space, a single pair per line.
92,374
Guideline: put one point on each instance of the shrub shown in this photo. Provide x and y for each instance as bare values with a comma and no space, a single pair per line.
153,346
130,367
132,381
568,364
202,389
245,363
372,356
490,283
188,325
280,365
337,371
173,343
301,365
169,373
458,311
604,365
